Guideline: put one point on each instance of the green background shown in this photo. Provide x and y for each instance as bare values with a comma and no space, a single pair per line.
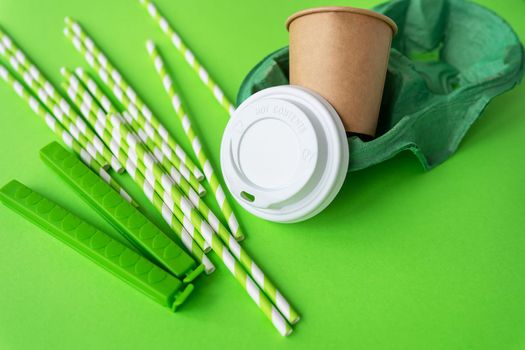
402,259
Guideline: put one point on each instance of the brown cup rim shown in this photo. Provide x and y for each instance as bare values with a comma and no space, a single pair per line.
356,10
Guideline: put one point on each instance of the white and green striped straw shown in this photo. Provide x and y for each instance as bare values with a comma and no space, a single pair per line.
153,171
235,268
194,197
130,161
144,128
165,209
275,296
123,138
48,95
171,194
62,134
59,116
114,129
188,55
132,140
196,144
191,239
138,109
96,167
143,135
92,85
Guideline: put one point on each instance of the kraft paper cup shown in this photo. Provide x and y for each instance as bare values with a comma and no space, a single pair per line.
342,54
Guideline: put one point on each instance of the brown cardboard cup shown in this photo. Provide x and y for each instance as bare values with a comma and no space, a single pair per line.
342,54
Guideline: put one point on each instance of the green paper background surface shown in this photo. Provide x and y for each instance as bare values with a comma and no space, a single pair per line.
402,259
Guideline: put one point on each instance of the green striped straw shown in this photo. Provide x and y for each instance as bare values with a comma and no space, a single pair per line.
95,90
196,144
189,56
275,296
258,296
212,219
121,135
127,96
112,129
170,191
129,158
234,267
164,205
143,134
47,94
62,134
145,130
153,172
96,167
58,114
165,209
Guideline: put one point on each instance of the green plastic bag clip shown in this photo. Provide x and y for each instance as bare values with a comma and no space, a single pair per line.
96,245
131,223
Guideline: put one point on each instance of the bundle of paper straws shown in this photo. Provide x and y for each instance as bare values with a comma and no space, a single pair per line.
127,136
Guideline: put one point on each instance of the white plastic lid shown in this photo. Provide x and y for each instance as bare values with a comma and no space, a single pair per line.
284,154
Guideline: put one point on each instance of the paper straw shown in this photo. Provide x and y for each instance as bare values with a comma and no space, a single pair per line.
194,197
162,201
171,193
234,267
145,130
170,168
189,56
59,116
62,134
95,90
125,140
47,93
127,96
196,144
164,209
111,133
269,288
96,167
129,160
177,157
